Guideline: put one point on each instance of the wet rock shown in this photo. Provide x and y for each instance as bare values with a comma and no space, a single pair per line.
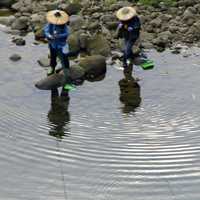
94,66
44,62
15,57
19,41
56,80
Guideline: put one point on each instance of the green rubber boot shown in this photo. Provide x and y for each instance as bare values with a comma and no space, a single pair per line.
69,87
50,71
148,64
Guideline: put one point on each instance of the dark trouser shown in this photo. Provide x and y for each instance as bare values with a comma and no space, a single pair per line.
54,53
128,53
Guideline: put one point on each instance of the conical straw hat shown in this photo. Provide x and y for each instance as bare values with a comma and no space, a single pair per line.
126,13
57,17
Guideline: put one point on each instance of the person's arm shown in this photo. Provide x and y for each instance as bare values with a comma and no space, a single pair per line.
65,33
119,30
47,32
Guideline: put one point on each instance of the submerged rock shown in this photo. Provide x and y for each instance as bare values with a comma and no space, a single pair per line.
19,41
15,57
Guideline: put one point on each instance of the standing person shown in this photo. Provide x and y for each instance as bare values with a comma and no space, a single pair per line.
129,29
56,32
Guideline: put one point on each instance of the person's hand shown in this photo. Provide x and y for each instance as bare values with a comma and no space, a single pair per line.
50,37
130,29
120,25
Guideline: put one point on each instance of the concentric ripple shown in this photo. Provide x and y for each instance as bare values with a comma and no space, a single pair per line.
106,143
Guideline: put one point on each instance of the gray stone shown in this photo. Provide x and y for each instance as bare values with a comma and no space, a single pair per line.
15,57
44,62
20,23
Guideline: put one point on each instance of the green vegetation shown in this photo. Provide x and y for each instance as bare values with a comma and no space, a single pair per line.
156,2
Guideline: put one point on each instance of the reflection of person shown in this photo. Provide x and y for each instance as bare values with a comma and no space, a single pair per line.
56,31
58,115
129,29
129,91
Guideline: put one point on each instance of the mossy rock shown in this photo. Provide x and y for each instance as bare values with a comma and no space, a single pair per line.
98,45
94,66
73,41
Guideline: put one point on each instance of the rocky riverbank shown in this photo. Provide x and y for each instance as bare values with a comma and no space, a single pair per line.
93,23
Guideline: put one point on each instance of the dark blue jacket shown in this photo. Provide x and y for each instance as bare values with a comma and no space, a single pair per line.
59,34
131,29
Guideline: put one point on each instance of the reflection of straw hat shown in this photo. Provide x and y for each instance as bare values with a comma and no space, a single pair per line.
126,13
57,17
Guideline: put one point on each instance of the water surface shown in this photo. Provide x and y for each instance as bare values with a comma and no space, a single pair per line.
100,145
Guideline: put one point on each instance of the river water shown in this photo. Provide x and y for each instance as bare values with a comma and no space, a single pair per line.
98,146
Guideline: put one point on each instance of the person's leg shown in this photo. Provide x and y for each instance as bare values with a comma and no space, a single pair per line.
65,65
53,63
128,53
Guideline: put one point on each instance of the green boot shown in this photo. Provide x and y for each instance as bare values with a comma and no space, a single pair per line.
50,71
69,87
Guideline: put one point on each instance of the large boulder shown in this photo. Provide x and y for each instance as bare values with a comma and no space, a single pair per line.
56,80
94,66
98,45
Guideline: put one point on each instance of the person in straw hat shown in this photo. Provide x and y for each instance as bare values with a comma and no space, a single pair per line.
56,32
129,29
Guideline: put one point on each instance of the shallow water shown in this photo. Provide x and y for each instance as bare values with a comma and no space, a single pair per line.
98,147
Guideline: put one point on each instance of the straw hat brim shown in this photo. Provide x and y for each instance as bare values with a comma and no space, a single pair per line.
125,16
52,18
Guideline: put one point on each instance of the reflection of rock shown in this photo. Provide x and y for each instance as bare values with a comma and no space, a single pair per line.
44,62
129,92
58,116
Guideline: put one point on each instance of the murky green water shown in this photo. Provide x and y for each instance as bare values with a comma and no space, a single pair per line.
100,145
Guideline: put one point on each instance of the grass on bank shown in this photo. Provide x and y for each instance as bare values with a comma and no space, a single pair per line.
145,2
157,2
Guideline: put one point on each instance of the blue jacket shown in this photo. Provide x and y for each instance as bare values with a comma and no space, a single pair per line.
59,34
130,30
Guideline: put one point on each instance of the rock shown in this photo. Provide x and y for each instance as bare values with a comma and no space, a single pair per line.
58,79
15,57
44,62
74,41
76,22
6,3
156,23
19,41
20,23
94,66
98,45
7,20
73,8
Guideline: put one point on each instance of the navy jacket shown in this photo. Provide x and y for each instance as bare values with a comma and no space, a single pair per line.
130,29
59,34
